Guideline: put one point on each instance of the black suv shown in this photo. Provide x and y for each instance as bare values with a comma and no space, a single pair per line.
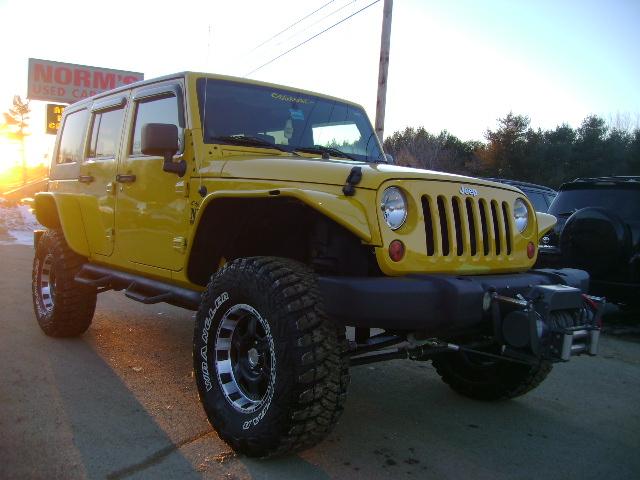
540,196
598,230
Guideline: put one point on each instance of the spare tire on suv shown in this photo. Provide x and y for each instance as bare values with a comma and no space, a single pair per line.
596,240
598,230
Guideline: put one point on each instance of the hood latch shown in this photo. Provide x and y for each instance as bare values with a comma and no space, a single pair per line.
352,180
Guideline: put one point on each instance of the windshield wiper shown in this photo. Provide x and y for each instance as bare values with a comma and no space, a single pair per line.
250,141
325,150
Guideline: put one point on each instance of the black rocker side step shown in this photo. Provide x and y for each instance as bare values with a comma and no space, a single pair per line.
100,282
138,288
147,299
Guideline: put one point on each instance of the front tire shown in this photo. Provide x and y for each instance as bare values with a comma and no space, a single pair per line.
63,307
271,369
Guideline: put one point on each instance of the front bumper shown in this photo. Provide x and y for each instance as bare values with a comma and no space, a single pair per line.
437,304
541,314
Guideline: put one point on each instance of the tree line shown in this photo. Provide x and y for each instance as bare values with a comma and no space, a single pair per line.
516,151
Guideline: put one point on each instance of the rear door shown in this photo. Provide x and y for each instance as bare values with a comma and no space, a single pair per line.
98,171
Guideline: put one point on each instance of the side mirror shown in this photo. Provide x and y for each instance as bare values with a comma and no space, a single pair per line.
390,159
162,139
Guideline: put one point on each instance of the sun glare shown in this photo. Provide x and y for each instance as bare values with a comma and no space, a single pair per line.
9,154
37,149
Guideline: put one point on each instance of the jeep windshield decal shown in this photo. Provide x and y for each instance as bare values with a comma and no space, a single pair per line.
290,99
284,120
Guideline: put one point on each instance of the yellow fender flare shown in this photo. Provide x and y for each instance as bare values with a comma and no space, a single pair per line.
344,211
545,223
59,210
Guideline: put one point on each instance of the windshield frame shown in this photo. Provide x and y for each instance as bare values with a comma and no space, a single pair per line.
372,147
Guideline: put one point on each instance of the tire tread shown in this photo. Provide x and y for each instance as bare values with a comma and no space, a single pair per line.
75,303
318,348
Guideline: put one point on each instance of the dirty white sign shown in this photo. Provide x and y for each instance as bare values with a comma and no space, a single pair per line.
68,83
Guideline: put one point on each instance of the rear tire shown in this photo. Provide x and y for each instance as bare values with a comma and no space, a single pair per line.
271,369
476,377
63,307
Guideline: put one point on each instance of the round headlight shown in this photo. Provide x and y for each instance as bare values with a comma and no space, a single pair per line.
394,207
520,214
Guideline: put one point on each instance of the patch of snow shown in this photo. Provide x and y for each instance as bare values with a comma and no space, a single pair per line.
17,223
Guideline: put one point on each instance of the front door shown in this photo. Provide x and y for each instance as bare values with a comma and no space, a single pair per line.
152,215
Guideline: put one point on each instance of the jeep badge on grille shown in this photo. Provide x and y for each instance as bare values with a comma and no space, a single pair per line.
468,191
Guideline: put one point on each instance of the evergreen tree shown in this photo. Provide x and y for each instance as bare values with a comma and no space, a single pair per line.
633,154
507,145
514,150
590,159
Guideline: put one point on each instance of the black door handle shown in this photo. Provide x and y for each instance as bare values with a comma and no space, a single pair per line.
125,178
85,178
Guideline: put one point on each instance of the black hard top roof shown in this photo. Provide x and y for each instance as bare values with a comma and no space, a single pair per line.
628,181
213,76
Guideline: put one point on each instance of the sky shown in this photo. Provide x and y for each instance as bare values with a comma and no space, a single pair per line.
454,65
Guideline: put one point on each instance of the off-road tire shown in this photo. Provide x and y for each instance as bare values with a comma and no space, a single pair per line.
310,378
474,377
67,310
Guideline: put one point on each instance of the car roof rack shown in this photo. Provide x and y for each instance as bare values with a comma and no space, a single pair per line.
620,181
614,179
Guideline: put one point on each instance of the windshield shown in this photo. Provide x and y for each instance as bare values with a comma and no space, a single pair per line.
538,200
625,202
287,119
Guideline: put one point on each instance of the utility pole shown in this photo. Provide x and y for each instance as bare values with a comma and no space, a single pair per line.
385,45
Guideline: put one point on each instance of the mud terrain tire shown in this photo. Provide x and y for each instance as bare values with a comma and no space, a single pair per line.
271,369
63,307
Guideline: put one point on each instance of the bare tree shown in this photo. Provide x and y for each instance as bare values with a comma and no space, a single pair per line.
18,116
624,121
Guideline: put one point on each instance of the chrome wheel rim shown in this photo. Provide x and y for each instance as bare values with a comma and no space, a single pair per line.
47,283
245,358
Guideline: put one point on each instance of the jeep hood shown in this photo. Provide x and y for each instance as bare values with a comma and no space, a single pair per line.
336,171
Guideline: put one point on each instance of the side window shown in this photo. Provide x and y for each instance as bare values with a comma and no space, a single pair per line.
72,137
154,110
105,133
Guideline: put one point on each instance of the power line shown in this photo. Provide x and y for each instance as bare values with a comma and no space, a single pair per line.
292,25
309,27
311,38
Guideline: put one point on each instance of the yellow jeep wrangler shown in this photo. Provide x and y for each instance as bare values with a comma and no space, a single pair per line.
276,215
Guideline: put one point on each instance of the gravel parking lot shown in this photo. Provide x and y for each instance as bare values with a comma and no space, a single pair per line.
120,402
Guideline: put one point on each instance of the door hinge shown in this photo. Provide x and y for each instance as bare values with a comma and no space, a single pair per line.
180,244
